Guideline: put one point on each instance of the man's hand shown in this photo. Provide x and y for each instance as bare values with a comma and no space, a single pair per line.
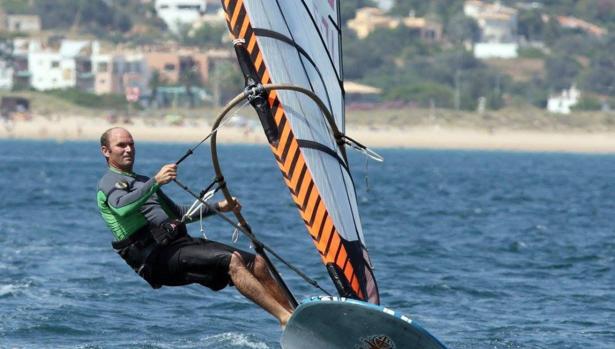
166,174
225,206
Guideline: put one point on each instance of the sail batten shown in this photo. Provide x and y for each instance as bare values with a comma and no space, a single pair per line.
286,48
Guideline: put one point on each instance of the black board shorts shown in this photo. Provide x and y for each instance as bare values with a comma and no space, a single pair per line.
190,260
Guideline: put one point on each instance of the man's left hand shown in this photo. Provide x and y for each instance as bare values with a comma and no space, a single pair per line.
225,206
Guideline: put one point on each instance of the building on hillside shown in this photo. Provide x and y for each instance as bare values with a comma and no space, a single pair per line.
486,50
22,23
360,93
6,66
21,71
385,5
135,75
61,64
211,17
170,65
81,52
179,13
498,27
213,6
120,72
105,67
2,20
181,65
428,31
563,103
576,23
49,70
58,68
6,75
182,73
369,19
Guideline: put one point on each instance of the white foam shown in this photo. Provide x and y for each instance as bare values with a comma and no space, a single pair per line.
10,289
235,339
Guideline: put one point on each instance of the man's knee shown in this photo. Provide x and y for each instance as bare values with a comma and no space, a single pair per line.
236,263
260,267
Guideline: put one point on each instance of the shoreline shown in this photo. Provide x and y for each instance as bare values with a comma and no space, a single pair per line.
79,128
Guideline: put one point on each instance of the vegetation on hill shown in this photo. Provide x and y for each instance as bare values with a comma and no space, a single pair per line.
448,76
112,20
443,75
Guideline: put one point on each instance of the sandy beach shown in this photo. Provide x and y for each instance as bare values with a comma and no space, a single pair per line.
73,128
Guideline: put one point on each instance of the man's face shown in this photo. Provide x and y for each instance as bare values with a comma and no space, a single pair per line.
121,150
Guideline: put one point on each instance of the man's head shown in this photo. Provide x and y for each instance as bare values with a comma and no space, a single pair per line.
118,147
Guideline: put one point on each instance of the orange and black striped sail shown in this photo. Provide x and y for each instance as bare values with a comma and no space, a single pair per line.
298,42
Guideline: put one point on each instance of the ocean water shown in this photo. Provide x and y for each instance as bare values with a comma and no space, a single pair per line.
484,249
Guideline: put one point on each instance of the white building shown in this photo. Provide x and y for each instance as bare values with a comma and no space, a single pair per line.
385,5
178,13
561,104
23,23
6,76
54,69
498,27
486,50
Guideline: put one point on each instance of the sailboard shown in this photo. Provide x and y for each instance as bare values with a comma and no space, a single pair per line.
298,43
358,325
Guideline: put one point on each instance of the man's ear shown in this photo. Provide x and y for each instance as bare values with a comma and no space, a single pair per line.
105,151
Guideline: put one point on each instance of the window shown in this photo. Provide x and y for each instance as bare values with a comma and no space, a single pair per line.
169,67
103,67
189,7
55,64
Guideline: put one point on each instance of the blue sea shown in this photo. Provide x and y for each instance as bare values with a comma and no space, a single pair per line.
483,249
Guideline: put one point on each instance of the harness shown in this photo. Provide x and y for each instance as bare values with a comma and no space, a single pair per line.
139,248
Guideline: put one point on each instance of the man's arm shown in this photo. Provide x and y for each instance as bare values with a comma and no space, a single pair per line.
124,202
221,206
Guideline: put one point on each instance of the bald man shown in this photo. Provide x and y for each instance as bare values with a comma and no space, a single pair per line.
151,239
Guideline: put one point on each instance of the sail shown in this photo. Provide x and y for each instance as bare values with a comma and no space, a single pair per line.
298,42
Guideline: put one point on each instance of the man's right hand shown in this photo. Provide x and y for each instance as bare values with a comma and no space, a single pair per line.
166,174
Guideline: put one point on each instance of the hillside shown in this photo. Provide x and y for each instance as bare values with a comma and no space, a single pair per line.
444,74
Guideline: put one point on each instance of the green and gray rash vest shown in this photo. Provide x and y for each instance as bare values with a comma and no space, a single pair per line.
128,202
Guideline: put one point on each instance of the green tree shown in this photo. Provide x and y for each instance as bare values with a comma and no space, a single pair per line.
562,72
422,94
155,81
588,103
461,28
208,35
552,31
93,16
16,7
577,45
190,78
601,75
348,8
6,47
531,25
226,81
443,9
358,57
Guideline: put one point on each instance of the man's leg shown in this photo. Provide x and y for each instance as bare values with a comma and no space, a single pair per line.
262,273
247,284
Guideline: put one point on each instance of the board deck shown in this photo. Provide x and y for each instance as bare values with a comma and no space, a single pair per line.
339,323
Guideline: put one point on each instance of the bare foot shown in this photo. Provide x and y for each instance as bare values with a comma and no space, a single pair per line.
284,320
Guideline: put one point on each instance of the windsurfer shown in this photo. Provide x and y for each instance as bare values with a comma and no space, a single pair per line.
151,239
